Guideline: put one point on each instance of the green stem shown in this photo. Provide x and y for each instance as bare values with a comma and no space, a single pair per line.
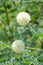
7,18
6,13
30,48
32,29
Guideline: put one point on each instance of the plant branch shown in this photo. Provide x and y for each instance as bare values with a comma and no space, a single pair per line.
6,13
32,29
30,48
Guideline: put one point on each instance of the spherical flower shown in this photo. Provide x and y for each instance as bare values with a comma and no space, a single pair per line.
18,46
23,18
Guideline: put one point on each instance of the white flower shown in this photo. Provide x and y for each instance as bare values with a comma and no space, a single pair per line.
18,46
23,18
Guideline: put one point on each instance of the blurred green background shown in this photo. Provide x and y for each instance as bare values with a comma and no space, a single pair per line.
10,31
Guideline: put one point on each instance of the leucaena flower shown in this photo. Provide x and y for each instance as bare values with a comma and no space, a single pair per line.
23,18
18,46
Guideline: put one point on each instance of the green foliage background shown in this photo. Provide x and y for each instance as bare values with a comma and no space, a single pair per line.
10,31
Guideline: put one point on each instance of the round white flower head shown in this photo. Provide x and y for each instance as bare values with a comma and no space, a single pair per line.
18,46
23,18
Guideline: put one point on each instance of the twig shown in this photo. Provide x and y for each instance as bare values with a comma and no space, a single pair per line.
37,49
32,29
6,13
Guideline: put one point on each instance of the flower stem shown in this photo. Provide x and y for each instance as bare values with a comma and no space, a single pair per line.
7,19
6,13
32,29
37,49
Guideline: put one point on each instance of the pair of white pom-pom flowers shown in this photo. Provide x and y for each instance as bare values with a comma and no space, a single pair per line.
23,18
